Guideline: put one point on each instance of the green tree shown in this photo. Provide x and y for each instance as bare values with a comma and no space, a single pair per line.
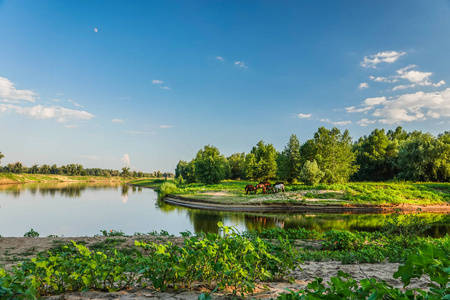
34,169
249,166
210,165
265,165
180,169
1,156
377,155
125,172
190,172
289,161
311,174
44,169
236,164
334,155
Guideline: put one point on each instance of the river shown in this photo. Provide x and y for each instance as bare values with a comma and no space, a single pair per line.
84,209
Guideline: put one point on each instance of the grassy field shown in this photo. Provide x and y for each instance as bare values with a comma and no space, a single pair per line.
373,193
6,178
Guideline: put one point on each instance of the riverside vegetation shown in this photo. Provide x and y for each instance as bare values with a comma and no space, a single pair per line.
359,193
236,262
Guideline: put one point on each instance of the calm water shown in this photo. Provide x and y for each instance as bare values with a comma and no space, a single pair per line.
74,209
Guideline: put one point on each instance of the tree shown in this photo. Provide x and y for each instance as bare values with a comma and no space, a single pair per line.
190,172
125,172
311,174
210,165
265,165
249,166
377,155
236,163
1,156
334,155
34,169
289,161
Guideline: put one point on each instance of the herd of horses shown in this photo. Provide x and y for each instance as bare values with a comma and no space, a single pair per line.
265,186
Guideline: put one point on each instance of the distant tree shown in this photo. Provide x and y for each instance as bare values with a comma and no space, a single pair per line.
249,166
265,165
422,157
34,169
210,165
125,172
44,169
377,155
289,161
236,163
180,169
311,173
158,174
190,172
1,156
334,155
17,167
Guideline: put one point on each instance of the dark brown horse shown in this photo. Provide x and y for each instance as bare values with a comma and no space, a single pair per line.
250,188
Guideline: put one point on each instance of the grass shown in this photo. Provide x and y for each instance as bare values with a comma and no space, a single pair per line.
358,193
23,178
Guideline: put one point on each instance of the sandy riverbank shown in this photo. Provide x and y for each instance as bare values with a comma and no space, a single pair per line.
14,250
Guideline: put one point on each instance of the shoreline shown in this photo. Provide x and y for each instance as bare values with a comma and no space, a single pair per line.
302,207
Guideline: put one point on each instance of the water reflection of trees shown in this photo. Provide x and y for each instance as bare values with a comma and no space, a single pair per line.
72,190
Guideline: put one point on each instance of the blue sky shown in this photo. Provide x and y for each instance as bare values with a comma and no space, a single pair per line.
147,83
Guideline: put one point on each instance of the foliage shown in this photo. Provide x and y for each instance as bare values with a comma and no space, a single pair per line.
166,188
112,233
311,174
263,162
236,164
31,233
210,165
289,161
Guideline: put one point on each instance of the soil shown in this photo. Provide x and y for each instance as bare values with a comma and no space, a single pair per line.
14,250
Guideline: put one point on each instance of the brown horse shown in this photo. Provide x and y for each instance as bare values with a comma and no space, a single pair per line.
261,186
250,188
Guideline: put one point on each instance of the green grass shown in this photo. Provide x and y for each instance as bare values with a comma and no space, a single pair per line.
359,193
23,178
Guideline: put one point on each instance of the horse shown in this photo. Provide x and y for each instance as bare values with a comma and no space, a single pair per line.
250,188
261,186
278,187
279,182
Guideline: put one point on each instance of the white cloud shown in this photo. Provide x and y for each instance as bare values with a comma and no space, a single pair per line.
59,113
71,126
165,126
374,101
74,103
353,109
117,121
387,57
336,123
157,81
95,30
382,79
8,92
303,116
165,88
220,58
415,107
402,87
365,122
126,159
363,85
442,82
240,64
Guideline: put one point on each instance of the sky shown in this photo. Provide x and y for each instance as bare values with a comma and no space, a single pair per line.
144,84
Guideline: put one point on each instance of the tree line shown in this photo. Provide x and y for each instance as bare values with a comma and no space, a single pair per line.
78,170
329,157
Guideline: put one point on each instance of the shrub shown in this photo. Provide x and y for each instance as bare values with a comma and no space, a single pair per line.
311,174
166,189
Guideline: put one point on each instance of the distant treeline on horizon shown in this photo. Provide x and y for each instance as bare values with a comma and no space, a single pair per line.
78,170
330,157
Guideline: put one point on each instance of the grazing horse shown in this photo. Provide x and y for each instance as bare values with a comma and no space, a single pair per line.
278,187
250,188
266,183
261,186
279,182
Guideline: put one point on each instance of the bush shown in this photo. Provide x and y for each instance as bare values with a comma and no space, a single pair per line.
166,189
311,174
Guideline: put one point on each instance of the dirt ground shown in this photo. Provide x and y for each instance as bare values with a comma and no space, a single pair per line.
14,250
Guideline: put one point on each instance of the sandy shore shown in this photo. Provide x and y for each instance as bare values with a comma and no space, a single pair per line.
14,250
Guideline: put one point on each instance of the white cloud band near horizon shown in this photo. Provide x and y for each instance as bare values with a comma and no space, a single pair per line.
59,113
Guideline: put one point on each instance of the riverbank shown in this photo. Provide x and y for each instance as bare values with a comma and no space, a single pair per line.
15,250
350,197
9,178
